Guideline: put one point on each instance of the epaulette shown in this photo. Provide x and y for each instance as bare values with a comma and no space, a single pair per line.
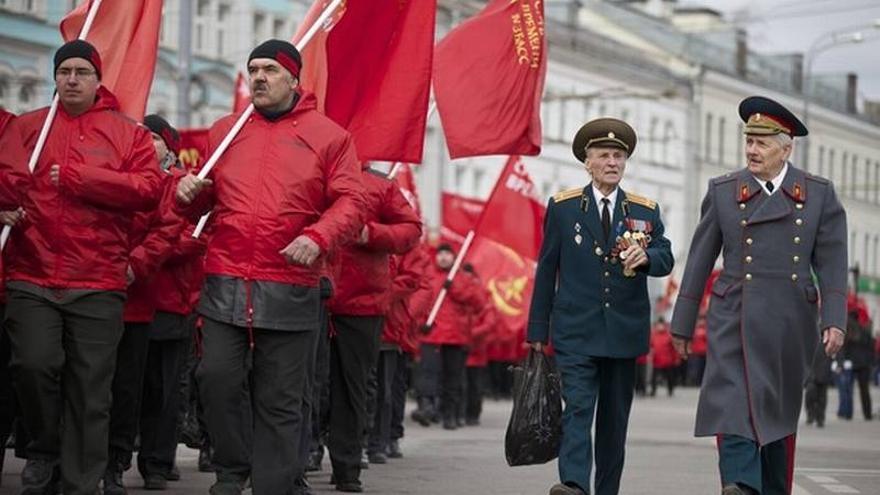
816,178
723,178
568,194
641,200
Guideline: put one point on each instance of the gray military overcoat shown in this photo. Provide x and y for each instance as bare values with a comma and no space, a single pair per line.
764,316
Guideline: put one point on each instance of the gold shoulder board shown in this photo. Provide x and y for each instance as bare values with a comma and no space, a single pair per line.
641,200
564,195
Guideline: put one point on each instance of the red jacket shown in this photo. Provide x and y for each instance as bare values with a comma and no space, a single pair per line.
153,234
484,329
363,287
410,298
5,118
76,234
180,278
663,353
700,344
452,324
277,180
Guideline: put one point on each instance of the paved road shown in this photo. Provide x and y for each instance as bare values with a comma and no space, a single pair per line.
662,458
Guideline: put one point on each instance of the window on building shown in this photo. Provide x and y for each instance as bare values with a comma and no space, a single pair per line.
259,26
202,7
30,6
820,170
876,255
4,90
707,152
459,178
654,139
852,248
220,47
223,12
479,174
27,93
854,186
876,184
624,115
199,37
866,187
830,174
721,135
278,28
668,137
866,252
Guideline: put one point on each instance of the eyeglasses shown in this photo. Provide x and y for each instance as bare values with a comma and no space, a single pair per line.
76,73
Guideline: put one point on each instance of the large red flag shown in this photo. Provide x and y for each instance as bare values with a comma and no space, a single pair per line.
242,97
126,34
507,242
460,216
488,80
370,67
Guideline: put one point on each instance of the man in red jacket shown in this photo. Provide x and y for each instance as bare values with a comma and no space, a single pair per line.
285,192
444,351
358,312
153,236
66,266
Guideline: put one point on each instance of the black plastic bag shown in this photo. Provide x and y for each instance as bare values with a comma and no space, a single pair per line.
535,428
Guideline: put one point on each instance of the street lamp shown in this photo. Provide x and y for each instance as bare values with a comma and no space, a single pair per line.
823,43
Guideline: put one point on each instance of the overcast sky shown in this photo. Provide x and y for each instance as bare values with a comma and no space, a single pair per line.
780,26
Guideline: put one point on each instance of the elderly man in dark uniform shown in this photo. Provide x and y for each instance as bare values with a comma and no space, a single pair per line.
600,246
776,225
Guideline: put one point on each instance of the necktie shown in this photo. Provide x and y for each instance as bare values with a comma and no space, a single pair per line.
770,186
606,218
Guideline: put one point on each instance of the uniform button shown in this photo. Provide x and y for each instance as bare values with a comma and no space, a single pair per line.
742,206
607,305
796,259
748,259
598,251
799,206
607,290
748,276
607,274
794,277
799,221
797,240
749,241
743,222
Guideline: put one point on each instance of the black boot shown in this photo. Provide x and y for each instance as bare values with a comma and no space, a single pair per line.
425,411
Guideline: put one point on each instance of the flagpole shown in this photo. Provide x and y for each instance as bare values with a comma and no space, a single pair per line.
250,109
50,117
442,295
398,165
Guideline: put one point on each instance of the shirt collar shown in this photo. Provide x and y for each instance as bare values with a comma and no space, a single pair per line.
612,198
777,181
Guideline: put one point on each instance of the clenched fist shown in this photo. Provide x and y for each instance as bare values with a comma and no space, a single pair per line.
302,251
189,187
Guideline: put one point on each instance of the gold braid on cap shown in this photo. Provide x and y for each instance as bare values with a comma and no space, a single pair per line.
765,125
610,137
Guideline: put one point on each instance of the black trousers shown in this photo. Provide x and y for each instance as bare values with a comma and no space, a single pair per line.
386,369
669,375
641,378
321,390
862,377
162,397
7,393
353,352
441,369
398,395
72,342
128,385
816,401
309,403
476,377
768,469
275,371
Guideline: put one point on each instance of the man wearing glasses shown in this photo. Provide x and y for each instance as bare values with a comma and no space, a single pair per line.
66,266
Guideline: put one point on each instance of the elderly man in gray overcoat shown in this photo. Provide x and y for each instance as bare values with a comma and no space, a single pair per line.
776,226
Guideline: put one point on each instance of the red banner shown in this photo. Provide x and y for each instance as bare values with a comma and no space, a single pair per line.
507,242
193,148
407,183
370,67
460,216
126,34
488,78
242,96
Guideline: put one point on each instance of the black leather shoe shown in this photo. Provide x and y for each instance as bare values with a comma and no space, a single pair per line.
378,458
40,477
226,488
113,482
155,482
394,451
735,489
352,486
563,489
205,464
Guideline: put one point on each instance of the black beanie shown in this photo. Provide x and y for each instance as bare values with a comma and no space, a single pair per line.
281,51
445,247
79,49
160,126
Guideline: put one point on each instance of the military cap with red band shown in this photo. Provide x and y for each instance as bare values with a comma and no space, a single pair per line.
765,117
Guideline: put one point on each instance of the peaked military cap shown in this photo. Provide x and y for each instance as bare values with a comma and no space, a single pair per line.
765,117
606,132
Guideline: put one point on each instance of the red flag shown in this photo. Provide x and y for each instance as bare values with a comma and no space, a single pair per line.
507,242
193,148
488,79
126,34
370,67
460,216
242,94
407,183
